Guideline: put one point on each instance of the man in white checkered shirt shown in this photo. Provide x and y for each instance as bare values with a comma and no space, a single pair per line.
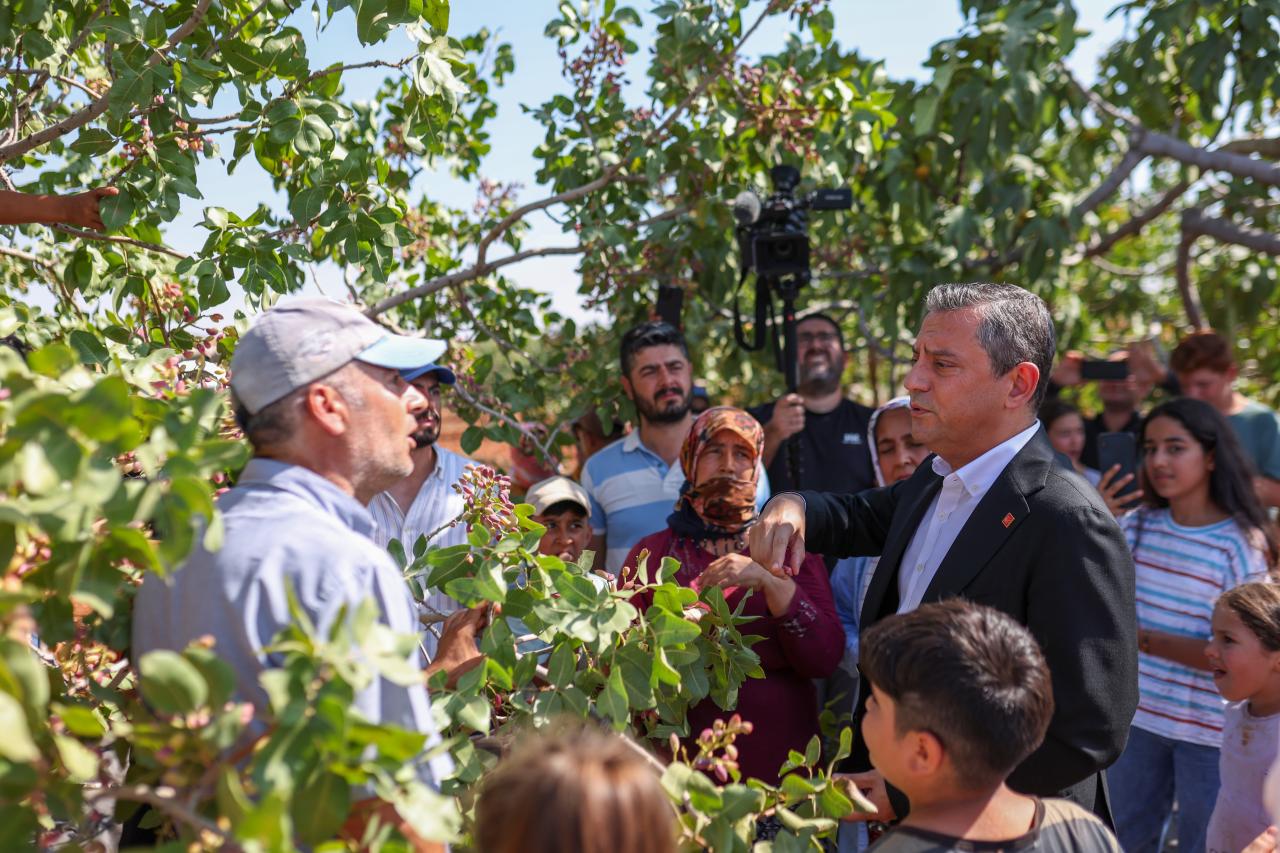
425,502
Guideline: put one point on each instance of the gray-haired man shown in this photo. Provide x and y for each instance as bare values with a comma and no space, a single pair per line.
995,520
317,389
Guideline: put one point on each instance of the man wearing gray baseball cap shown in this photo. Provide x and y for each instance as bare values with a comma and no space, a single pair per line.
317,389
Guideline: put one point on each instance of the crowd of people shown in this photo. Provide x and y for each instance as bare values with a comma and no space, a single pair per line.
1034,653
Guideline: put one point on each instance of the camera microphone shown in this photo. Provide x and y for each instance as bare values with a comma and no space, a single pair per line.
746,208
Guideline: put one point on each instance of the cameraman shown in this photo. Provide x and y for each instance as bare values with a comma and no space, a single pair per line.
829,431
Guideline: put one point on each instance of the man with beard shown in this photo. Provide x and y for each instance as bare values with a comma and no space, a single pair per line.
424,503
827,430
633,483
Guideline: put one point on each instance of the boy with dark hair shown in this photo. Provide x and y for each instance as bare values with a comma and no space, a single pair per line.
960,695
561,506
1207,370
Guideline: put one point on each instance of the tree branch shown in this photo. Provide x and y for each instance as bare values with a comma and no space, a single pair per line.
471,272
543,448
162,799
26,256
339,69
565,197
1196,224
1186,287
647,142
1134,224
41,73
1264,146
98,107
38,83
235,31
1103,191
1218,159
129,241
1222,159
1132,272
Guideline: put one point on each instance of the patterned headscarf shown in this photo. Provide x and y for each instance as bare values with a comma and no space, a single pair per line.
722,506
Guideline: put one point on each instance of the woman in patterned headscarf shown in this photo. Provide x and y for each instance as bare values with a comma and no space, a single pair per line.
796,616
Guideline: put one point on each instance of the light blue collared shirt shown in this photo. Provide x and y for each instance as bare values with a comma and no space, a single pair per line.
286,526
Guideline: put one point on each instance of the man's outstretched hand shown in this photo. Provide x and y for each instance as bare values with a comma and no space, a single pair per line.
777,538
83,209
458,651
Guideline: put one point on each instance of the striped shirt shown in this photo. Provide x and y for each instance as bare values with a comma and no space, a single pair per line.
436,504
1181,571
632,491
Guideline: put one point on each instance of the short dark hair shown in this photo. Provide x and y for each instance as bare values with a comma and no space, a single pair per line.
826,318
968,674
561,507
1013,325
654,333
1053,409
1206,350
271,426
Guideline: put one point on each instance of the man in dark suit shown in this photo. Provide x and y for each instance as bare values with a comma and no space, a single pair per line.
994,520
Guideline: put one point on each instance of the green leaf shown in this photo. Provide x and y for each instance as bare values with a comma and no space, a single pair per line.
16,745
79,761
170,683
93,141
80,720
320,806
116,210
834,803
25,678
471,439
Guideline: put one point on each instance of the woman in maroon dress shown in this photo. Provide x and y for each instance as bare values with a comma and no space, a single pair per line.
803,639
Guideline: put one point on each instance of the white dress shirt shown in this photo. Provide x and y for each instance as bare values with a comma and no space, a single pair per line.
962,490
436,504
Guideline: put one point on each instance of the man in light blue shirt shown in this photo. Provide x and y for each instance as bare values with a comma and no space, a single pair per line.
633,483
317,390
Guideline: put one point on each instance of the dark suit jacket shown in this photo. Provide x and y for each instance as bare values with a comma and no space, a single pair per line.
1060,566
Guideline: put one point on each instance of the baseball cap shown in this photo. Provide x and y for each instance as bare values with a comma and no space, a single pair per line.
443,374
302,340
553,490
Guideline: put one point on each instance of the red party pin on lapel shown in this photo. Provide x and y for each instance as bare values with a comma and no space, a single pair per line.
1007,520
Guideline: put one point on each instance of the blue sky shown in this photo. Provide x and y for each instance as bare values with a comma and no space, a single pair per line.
900,32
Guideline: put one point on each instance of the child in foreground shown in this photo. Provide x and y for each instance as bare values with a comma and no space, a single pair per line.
960,695
1245,655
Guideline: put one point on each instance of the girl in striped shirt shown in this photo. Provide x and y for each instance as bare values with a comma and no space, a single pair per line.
1200,532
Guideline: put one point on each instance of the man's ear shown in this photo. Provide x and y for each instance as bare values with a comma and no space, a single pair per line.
325,405
1026,376
925,752
627,389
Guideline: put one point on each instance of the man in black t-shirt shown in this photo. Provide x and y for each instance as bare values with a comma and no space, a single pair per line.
829,431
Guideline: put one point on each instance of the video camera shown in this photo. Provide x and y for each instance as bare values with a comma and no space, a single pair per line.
773,238
773,234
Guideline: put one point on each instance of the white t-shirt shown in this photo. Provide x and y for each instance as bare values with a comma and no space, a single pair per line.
1250,746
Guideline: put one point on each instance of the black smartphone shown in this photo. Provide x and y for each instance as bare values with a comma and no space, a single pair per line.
1097,369
1119,448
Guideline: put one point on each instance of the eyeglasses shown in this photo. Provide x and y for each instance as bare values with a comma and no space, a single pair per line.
817,337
